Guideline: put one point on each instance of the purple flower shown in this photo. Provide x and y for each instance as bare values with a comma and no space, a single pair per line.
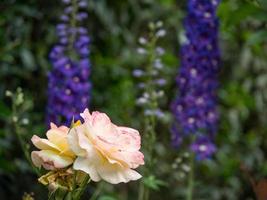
138,73
81,16
68,82
151,75
161,82
66,1
83,4
195,108
203,148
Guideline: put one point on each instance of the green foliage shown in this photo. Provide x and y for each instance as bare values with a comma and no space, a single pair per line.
153,183
26,38
106,198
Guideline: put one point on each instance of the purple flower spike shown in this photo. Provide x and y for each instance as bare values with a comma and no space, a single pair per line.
195,108
81,16
64,18
138,73
161,82
83,4
66,1
68,82
203,148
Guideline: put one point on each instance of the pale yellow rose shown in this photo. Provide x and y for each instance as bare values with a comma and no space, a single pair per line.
104,150
54,152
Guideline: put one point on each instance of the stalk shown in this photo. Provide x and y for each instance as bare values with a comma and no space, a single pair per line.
23,146
79,192
150,121
191,181
73,23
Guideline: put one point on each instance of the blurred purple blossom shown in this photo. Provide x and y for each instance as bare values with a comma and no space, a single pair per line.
203,147
138,73
152,72
158,64
161,33
160,51
142,40
68,81
141,51
161,82
195,108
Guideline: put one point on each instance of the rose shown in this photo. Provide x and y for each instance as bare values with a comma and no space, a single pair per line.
55,152
104,150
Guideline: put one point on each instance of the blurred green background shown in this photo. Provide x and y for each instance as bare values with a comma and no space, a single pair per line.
27,33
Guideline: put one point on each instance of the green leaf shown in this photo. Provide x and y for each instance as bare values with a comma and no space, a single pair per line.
27,59
153,183
233,14
5,111
257,37
167,2
107,198
263,3
5,165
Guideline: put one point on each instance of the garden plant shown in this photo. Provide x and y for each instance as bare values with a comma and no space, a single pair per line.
133,100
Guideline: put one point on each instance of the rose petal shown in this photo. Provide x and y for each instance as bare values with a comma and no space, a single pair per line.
105,148
86,115
129,139
73,140
85,165
50,160
43,144
100,119
56,137
122,149
63,129
115,174
133,159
